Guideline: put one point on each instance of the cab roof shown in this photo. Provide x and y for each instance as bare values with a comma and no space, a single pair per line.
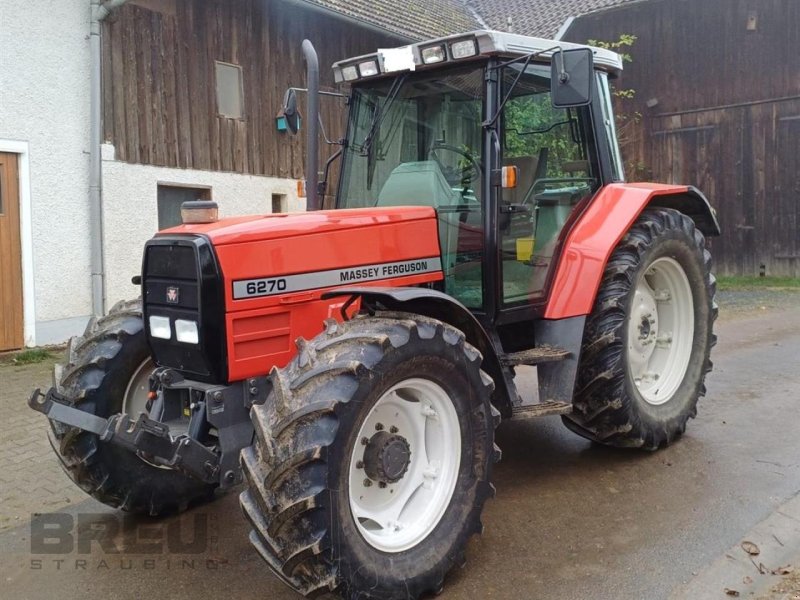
487,43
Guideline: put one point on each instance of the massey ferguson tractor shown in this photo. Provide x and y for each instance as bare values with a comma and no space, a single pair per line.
350,365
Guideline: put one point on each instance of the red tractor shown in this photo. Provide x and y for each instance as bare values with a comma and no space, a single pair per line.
351,365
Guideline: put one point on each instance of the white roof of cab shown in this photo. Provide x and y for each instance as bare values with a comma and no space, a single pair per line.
493,43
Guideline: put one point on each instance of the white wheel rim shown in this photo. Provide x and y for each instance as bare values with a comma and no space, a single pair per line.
135,399
660,331
397,516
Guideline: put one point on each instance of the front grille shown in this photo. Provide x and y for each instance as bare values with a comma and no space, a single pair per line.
181,280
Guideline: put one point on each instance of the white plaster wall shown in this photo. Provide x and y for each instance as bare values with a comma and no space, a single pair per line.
130,210
44,100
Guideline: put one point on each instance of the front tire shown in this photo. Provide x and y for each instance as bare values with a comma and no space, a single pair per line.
106,373
336,441
646,346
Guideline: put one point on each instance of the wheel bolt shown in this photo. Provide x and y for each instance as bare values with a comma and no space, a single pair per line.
382,484
367,482
393,429
364,441
359,464
379,426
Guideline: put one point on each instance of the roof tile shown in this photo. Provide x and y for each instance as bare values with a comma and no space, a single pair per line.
422,19
542,18
414,19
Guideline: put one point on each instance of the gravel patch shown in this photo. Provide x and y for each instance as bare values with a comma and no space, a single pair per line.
744,302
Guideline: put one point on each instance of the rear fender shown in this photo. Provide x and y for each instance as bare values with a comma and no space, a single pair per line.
437,305
600,228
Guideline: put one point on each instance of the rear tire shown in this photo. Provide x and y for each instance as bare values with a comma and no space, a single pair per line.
101,366
309,436
637,386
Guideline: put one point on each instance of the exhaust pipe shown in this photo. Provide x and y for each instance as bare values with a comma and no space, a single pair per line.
313,201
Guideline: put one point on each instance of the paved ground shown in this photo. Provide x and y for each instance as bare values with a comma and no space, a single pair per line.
31,480
571,519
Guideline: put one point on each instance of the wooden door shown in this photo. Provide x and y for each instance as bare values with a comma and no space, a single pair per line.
10,257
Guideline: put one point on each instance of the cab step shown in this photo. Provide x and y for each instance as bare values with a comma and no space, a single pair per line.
541,409
534,356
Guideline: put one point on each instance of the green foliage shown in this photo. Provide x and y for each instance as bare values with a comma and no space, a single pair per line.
619,45
28,357
532,123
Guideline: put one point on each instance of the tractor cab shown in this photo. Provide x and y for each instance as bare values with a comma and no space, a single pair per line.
504,135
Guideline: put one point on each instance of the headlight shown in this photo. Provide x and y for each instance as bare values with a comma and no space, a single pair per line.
349,73
160,328
186,331
368,68
433,54
463,49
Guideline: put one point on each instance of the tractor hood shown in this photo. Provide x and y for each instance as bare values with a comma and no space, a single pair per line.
238,230
255,284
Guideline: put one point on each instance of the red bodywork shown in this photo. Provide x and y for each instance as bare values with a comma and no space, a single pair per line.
261,331
591,242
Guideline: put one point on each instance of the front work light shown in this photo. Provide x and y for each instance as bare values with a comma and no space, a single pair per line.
463,49
368,68
433,54
160,328
199,211
349,73
186,331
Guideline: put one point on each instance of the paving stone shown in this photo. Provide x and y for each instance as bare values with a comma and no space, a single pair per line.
31,479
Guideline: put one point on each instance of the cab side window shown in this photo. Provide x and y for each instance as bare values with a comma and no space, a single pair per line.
549,148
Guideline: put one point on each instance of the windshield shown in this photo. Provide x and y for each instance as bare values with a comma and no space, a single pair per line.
415,139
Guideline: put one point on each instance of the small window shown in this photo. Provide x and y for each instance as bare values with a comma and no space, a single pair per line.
611,128
170,198
279,203
230,90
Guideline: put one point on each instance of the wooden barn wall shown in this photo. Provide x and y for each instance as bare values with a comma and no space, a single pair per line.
159,93
727,118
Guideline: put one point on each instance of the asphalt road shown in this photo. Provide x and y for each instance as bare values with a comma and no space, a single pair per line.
571,520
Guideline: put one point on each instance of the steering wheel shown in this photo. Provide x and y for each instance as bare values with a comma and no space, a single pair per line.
464,178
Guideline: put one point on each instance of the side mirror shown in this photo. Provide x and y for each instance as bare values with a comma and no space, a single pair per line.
289,111
571,77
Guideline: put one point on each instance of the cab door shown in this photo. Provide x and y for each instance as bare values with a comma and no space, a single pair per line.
556,171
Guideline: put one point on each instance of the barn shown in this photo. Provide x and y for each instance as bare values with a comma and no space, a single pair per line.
717,105
718,87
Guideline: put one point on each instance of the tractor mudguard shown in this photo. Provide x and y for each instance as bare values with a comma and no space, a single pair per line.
694,205
599,229
437,305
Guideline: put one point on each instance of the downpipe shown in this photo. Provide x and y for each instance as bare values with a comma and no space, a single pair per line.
98,14
313,200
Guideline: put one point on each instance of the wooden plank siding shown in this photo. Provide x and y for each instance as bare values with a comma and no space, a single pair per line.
159,99
727,118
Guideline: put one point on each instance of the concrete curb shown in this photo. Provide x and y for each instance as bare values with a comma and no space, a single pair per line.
778,540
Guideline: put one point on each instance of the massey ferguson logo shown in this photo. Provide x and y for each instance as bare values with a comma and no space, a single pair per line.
173,295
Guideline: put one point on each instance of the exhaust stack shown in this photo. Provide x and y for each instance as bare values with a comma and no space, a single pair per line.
313,201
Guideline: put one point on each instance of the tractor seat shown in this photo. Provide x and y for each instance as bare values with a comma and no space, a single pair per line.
419,183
